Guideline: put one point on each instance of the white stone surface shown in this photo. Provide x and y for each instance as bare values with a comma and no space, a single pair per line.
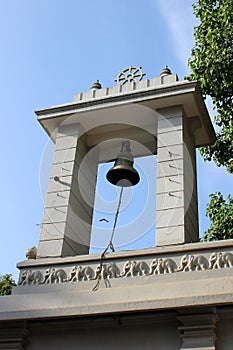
101,93
169,184
169,200
66,223
64,155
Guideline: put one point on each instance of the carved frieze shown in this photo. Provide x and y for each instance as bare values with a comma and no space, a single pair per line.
134,268
193,263
159,266
131,268
220,260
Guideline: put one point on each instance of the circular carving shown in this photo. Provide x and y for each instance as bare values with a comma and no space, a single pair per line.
129,75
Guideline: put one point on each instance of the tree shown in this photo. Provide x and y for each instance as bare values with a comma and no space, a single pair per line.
6,284
211,65
220,212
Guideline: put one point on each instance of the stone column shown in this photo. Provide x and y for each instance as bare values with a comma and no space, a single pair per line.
198,331
13,336
176,192
66,225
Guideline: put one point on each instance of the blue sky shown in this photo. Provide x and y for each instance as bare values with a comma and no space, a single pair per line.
53,49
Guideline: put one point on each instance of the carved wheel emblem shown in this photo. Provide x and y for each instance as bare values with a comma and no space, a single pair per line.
129,75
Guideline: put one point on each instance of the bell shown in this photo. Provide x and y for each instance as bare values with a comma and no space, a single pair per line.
123,173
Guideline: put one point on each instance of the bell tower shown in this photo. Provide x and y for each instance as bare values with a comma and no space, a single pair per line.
176,295
158,116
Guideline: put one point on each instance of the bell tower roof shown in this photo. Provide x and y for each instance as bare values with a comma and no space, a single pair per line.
109,105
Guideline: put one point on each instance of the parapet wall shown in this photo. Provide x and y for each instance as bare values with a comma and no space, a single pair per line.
191,275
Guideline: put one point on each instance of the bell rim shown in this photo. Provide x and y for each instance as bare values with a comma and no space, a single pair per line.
131,169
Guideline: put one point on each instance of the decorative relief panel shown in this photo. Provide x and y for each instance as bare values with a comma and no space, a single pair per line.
131,268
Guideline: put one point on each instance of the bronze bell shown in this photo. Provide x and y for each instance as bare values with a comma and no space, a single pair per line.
123,173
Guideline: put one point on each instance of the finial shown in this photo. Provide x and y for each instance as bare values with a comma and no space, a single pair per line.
165,71
96,85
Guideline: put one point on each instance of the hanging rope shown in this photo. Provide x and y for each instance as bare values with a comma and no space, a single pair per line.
110,244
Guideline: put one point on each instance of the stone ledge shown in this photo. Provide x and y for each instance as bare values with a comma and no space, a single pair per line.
193,289
119,266
194,274
171,249
160,92
162,278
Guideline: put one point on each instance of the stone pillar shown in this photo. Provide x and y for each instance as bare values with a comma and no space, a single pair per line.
198,331
176,190
66,225
13,336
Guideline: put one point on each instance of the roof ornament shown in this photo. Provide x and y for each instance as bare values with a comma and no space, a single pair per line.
96,85
129,75
165,71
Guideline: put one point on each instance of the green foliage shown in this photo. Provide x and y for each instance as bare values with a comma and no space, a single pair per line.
220,213
212,66
6,284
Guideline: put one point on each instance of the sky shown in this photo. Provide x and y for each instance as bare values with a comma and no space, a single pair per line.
53,49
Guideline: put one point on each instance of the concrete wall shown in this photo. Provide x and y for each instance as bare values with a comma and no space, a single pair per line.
115,334
182,329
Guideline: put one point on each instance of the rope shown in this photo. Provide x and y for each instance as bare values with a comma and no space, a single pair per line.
110,244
